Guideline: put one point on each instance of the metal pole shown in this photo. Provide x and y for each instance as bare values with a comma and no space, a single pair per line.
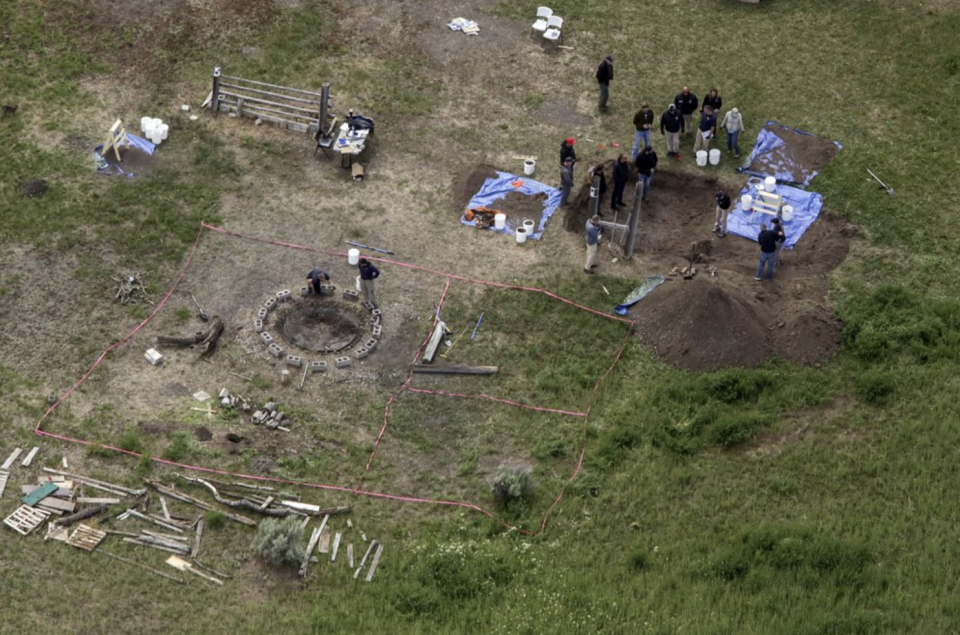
324,111
594,196
215,97
634,220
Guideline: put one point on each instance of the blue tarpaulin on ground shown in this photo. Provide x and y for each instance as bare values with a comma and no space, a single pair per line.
771,156
806,207
649,284
497,188
102,165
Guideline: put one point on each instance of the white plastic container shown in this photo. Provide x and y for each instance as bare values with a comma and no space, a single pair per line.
145,123
521,235
164,130
500,221
770,184
529,167
786,212
746,202
528,225
353,256
714,157
701,158
358,284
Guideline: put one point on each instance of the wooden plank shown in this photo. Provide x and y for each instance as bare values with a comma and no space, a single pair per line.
336,546
142,566
60,492
39,493
454,370
438,331
314,537
27,461
3,482
182,565
137,541
266,503
157,534
55,504
201,504
86,537
10,459
136,514
325,542
196,542
163,506
350,555
86,500
363,561
376,561
256,83
103,485
300,100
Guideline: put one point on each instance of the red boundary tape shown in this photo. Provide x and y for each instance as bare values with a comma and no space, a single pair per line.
386,415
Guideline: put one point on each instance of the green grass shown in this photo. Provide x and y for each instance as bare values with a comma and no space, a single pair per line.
792,500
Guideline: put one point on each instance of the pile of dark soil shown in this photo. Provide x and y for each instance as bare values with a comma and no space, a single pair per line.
34,188
698,325
520,207
468,182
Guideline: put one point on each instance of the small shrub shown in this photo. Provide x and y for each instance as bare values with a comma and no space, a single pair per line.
215,520
638,560
513,484
98,451
178,450
874,387
131,441
733,428
551,448
280,541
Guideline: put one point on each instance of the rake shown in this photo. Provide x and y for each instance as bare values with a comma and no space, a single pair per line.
882,184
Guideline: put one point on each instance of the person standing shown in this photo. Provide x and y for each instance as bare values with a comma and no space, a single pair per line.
593,240
713,100
768,251
723,210
621,172
643,122
314,278
686,102
368,273
733,124
646,164
604,77
566,180
706,130
781,237
672,125
566,150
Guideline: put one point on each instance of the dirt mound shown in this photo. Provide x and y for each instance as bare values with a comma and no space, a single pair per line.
698,325
468,182
808,337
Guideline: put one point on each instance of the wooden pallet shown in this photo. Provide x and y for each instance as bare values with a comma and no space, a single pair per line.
767,203
25,519
3,482
86,537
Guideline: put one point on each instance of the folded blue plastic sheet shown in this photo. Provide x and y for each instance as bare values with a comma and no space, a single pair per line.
649,284
104,167
497,188
806,207
771,156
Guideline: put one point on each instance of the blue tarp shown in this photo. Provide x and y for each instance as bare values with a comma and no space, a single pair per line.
771,156
649,284
497,188
103,166
806,207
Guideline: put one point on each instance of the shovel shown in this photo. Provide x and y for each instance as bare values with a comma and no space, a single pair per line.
882,184
203,314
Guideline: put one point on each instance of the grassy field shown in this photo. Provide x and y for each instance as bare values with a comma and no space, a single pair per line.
785,499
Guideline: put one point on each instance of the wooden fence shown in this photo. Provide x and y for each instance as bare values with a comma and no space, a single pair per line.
291,108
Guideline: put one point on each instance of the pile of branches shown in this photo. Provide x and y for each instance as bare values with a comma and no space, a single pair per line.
130,289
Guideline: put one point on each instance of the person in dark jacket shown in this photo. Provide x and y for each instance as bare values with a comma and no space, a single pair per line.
768,251
643,122
713,100
566,150
646,165
723,209
706,130
686,102
621,173
604,77
672,125
566,180
368,273
781,237
314,278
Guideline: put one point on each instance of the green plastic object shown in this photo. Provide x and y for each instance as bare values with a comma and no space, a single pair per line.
39,494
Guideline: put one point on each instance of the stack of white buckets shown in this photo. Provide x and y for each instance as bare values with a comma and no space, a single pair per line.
500,220
702,156
154,129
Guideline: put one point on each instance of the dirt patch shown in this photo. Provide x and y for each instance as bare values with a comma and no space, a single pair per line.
723,318
468,182
202,433
562,113
34,188
809,151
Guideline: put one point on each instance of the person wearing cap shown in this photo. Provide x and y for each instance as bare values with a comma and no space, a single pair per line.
593,240
672,125
723,209
604,77
643,122
686,102
566,150
646,165
566,180
621,173
706,130
733,124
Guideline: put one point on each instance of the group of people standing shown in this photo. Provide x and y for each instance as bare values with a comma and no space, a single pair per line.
368,273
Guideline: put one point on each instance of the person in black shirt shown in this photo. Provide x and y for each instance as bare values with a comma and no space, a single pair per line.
621,172
646,164
566,150
672,125
781,237
314,278
723,209
768,251
686,102
604,77
713,100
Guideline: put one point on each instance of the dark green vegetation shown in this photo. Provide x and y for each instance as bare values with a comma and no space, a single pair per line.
803,501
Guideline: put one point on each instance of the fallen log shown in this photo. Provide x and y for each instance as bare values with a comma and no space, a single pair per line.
454,370
207,339
170,493
66,521
241,502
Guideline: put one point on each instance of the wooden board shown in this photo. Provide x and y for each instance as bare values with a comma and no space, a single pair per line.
41,492
86,537
55,504
27,461
60,492
455,370
25,519
3,482
10,459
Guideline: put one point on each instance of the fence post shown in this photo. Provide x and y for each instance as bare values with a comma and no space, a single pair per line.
215,95
324,111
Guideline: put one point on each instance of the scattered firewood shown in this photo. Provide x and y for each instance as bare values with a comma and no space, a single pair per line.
170,493
142,566
207,339
86,513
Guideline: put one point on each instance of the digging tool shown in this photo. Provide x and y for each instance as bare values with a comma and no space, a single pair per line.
882,184
362,246
203,314
453,343
474,334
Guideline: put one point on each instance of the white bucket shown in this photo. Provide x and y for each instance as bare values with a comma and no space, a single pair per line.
521,235
145,123
164,131
500,221
353,256
701,158
786,212
770,184
529,167
528,225
746,202
714,157
358,283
